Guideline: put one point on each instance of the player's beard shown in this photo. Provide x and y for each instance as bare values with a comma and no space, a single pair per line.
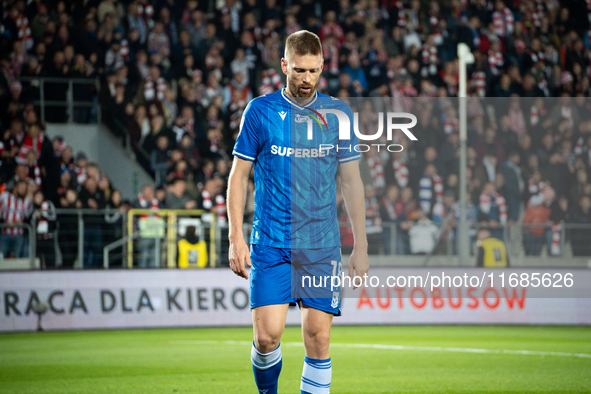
296,92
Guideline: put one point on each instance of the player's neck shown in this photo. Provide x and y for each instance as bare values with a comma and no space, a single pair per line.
299,100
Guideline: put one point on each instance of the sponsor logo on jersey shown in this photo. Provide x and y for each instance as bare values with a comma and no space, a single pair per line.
282,114
301,119
300,152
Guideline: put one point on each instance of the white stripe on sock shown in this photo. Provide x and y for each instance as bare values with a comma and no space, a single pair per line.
265,361
318,376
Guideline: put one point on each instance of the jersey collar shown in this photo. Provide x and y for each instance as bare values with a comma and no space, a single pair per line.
295,104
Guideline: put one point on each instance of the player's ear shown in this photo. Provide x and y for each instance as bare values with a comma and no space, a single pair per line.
284,65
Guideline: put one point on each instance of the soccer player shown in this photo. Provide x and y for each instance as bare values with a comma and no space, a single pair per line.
295,228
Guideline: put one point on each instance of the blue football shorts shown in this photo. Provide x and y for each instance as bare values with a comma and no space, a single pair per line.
282,276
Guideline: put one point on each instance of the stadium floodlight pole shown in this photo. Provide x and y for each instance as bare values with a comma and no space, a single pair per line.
465,57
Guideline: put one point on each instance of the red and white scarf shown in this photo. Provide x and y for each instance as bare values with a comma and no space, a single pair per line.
429,58
24,29
503,22
451,125
154,91
495,62
401,16
377,172
485,204
207,203
331,52
400,172
478,83
154,205
517,121
30,144
433,20
534,115
538,14
533,187
220,203
556,237
80,175
270,82
36,172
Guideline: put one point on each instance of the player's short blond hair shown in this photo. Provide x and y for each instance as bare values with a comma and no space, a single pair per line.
303,43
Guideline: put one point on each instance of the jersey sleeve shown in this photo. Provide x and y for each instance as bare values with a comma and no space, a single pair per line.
348,149
247,143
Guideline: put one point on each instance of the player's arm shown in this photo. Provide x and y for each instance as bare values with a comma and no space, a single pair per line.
352,189
237,187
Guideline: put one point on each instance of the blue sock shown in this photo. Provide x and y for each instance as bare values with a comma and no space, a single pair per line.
316,376
266,368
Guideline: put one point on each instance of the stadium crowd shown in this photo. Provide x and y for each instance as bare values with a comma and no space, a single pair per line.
175,77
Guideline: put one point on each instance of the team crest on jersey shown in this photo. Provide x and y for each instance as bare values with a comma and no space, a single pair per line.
301,119
335,299
282,114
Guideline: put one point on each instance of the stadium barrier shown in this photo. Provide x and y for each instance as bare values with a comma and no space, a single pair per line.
82,234
87,238
29,240
192,298
77,101
146,229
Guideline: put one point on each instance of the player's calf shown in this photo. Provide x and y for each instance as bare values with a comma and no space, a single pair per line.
266,368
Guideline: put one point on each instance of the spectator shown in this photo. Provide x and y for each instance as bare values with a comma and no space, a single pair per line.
92,197
492,210
146,244
423,234
536,220
391,209
160,158
561,213
16,208
514,184
358,78
176,197
431,188
46,230
580,236
490,144
192,250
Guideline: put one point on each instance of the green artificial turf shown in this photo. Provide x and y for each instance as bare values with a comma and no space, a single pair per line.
202,360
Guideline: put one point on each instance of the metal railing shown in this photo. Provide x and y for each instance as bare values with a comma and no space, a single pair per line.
170,230
70,103
85,236
74,233
32,238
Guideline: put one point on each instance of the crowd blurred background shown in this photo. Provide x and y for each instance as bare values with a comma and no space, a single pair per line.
174,77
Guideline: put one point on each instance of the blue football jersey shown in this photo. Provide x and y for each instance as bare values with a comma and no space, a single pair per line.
295,152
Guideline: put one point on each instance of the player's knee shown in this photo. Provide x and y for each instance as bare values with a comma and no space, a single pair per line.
266,343
318,340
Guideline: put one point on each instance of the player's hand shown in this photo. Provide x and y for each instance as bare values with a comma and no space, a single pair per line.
238,254
358,263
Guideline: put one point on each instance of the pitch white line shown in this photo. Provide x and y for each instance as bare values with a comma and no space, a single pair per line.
397,347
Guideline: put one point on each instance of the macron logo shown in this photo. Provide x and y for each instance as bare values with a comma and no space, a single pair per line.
264,391
282,114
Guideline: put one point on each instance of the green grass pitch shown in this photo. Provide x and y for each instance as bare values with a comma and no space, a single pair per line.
378,359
